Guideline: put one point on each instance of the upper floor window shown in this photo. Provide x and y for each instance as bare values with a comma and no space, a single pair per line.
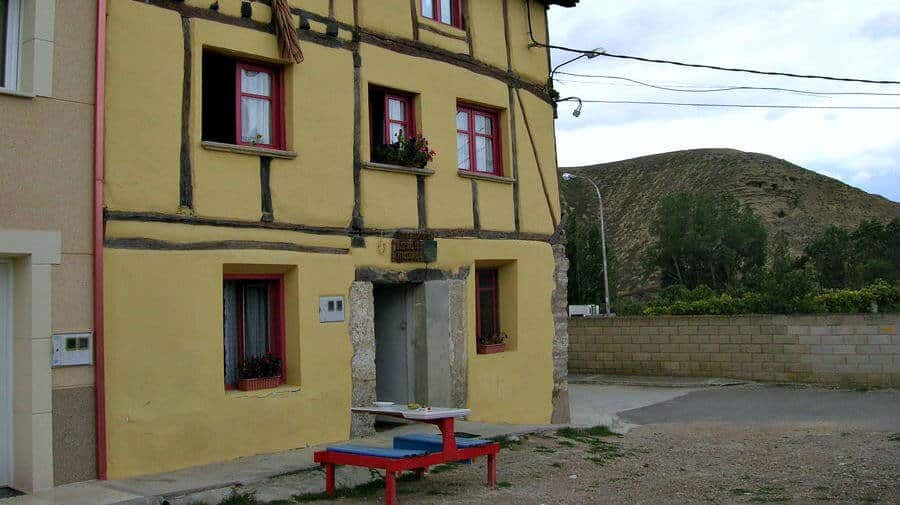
243,102
448,12
9,43
478,140
392,114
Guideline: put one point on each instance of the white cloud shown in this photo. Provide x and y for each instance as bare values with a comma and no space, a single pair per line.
854,39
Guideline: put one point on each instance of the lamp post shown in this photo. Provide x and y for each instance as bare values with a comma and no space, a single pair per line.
569,176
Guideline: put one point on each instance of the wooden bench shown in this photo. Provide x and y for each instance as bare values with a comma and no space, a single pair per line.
437,450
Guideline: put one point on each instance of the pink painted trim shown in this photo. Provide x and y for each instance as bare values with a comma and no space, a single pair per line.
495,136
276,104
456,20
99,143
277,341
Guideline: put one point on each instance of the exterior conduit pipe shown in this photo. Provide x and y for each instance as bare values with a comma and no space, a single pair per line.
99,141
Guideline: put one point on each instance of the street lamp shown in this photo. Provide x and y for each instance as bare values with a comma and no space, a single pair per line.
569,176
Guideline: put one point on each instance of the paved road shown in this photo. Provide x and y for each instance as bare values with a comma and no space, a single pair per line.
761,405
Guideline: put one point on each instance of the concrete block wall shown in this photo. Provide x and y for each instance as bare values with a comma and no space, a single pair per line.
848,350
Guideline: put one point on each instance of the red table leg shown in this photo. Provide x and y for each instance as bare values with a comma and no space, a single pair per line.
329,478
390,488
492,469
449,435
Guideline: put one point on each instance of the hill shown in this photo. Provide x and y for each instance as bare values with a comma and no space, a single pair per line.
788,198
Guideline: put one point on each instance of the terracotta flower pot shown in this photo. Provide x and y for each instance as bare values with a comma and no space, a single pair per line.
260,383
491,348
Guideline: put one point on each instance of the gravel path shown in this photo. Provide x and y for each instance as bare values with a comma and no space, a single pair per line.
676,464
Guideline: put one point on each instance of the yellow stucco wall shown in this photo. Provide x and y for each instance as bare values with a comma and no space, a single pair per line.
167,407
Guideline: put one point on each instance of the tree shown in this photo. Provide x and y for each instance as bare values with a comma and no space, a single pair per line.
845,259
706,239
584,250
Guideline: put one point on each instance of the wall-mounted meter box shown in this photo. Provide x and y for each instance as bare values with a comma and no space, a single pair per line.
331,309
73,349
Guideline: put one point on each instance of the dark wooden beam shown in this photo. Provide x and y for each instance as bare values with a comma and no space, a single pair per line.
476,215
420,202
185,176
158,217
152,244
514,146
265,187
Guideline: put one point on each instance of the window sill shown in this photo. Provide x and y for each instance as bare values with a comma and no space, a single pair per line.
441,28
251,150
12,92
262,393
486,177
399,169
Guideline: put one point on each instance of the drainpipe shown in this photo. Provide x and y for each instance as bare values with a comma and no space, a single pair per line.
99,110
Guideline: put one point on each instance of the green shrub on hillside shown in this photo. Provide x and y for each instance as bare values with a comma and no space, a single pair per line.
877,297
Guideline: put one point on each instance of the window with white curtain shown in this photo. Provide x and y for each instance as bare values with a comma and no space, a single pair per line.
253,321
478,140
9,43
242,102
448,12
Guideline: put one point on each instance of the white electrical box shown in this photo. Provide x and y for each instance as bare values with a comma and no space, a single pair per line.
72,349
331,309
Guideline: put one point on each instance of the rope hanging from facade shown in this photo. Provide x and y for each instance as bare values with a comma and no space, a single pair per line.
288,41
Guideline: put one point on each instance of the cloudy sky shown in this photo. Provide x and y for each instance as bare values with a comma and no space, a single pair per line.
845,38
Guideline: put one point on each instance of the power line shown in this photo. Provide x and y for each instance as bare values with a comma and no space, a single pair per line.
592,53
743,105
745,70
728,88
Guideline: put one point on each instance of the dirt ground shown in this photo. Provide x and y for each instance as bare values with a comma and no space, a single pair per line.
672,464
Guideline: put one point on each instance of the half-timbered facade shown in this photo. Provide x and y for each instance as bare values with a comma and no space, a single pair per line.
259,207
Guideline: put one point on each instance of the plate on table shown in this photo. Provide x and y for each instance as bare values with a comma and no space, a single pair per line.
383,404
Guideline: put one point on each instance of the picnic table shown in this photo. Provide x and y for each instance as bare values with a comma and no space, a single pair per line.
411,452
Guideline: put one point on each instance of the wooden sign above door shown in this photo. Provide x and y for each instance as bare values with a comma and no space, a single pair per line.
413,247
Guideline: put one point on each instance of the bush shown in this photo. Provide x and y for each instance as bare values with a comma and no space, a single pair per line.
877,297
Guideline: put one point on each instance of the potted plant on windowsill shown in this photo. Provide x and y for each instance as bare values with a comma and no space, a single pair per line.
406,152
261,372
493,344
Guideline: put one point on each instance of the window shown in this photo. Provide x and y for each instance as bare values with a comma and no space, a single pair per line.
448,12
242,102
391,114
254,321
9,44
487,312
478,140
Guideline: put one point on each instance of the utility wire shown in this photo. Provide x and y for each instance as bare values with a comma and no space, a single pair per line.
535,42
744,105
726,88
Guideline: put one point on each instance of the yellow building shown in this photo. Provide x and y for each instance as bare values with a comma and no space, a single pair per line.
258,206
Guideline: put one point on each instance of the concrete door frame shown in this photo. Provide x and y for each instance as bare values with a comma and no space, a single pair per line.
6,374
32,254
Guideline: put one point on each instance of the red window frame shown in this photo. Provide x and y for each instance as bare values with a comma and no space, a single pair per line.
495,137
277,343
493,289
456,20
408,124
276,104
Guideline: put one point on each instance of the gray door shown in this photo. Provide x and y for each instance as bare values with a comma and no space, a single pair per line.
6,375
394,363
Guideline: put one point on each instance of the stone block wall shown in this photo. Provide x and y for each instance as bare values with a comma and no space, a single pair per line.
849,350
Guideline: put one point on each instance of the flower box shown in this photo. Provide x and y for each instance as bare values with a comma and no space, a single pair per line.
491,348
260,383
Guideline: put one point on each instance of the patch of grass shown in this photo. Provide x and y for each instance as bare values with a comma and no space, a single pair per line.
238,498
544,450
895,437
601,451
763,494
556,464
438,492
504,484
444,467
566,443
508,442
870,499
586,435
